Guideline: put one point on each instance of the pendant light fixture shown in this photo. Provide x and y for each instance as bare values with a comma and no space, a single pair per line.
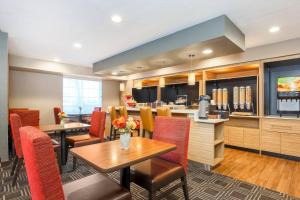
191,75
122,87
139,84
162,82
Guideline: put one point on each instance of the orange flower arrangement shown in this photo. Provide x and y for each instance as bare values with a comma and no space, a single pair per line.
62,115
126,125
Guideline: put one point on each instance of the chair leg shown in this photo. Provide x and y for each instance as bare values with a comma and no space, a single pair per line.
19,164
152,194
150,135
144,132
185,188
74,163
111,132
15,161
58,157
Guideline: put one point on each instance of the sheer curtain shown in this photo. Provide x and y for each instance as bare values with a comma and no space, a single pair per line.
81,94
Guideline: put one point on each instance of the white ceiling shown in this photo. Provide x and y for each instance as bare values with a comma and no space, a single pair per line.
46,29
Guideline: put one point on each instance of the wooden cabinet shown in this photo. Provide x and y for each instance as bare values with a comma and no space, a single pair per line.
281,125
242,137
281,136
226,134
235,136
290,144
270,141
251,138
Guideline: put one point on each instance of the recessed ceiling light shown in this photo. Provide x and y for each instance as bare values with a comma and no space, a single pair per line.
207,51
77,45
56,59
274,29
114,73
116,18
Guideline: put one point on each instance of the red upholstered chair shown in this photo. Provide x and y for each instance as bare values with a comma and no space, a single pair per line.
44,179
29,117
56,110
16,124
97,109
158,172
95,135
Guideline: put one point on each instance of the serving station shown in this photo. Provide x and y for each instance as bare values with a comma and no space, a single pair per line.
259,102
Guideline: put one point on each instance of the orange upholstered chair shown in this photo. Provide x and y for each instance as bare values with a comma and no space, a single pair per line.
163,111
113,116
147,120
123,111
16,124
44,179
56,110
95,135
156,173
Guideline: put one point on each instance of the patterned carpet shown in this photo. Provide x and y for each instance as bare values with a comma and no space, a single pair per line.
203,185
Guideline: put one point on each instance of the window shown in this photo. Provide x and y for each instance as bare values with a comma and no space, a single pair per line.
84,94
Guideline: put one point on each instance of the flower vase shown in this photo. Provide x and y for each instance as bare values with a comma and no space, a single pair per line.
125,140
62,121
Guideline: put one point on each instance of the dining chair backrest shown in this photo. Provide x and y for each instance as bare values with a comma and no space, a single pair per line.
147,118
174,130
16,124
123,111
13,110
97,109
41,167
29,117
97,128
112,113
163,111
56,110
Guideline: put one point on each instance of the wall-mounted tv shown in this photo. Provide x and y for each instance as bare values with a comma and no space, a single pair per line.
288,84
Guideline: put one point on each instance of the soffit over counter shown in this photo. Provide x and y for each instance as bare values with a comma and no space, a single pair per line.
219,34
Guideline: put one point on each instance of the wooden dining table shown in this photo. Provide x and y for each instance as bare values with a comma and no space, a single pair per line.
108,156
62,130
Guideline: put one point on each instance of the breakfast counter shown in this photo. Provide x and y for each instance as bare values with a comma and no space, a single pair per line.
206,141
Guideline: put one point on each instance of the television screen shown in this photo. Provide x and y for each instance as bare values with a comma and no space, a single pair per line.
288,84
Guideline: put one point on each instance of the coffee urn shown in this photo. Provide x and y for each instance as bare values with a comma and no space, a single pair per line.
203,106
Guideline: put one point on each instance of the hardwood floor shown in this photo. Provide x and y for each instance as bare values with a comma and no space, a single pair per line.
274,173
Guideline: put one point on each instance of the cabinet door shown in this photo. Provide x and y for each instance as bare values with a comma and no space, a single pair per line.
226,134
290,144
251,138
270,141
236,136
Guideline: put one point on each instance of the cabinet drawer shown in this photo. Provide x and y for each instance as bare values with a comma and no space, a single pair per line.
236,136
281,125
251,138
226,135
270,141
290,144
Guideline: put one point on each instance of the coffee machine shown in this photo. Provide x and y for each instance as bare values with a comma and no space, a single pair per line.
203,106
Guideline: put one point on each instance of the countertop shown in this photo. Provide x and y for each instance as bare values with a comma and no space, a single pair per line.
210,121
185,111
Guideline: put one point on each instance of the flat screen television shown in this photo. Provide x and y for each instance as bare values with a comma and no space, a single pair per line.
288,84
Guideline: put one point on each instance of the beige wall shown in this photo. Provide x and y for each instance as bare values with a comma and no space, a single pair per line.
44,91
36,91
110,93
